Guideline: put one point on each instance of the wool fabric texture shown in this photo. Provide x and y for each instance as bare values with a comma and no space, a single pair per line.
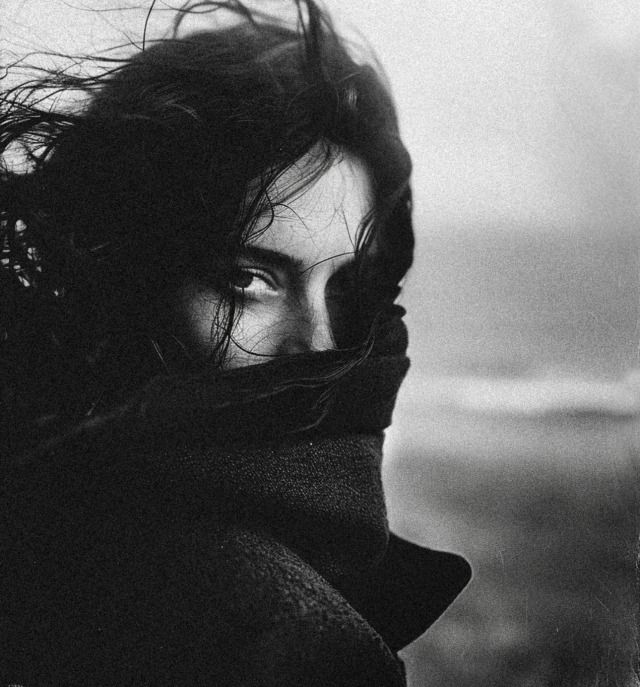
220,529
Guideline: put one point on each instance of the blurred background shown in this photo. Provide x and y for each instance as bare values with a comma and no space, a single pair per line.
515,438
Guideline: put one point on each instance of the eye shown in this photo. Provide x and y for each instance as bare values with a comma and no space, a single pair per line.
253,283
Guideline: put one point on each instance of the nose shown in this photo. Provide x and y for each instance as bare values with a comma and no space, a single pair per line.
321,335
312,330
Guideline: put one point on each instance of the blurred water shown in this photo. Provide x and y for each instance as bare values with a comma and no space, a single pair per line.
542,496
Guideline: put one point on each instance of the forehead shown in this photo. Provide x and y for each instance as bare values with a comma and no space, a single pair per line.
323,219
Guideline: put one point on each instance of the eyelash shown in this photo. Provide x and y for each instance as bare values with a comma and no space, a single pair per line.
263,275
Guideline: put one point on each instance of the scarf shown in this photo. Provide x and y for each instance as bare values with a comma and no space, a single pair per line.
298,457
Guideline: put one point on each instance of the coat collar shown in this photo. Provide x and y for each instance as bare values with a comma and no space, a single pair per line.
409,590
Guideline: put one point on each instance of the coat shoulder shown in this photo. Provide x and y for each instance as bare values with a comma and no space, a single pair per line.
283,623
196,602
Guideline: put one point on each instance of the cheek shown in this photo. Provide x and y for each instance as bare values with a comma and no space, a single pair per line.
259,329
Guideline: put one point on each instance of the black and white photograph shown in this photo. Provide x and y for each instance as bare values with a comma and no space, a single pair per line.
319,343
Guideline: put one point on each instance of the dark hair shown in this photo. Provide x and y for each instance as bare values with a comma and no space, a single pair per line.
158,174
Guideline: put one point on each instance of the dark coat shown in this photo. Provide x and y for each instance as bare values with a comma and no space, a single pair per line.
156,547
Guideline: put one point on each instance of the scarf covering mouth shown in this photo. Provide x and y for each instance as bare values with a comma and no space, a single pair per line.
320,393
292,447
296,443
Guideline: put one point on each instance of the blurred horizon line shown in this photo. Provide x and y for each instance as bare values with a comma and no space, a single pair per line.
552,392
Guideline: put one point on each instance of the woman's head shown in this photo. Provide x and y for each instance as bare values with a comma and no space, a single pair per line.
144,206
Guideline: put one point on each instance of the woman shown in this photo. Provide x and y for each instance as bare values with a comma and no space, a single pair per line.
198,329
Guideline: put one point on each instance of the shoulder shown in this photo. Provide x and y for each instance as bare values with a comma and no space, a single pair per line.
169,600
276,620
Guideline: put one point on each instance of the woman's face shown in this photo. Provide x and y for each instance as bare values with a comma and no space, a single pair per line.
285,271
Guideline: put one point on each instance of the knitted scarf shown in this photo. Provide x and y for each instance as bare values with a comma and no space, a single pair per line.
300,458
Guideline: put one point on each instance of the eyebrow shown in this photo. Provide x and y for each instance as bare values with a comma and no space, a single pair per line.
282,261
273,258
